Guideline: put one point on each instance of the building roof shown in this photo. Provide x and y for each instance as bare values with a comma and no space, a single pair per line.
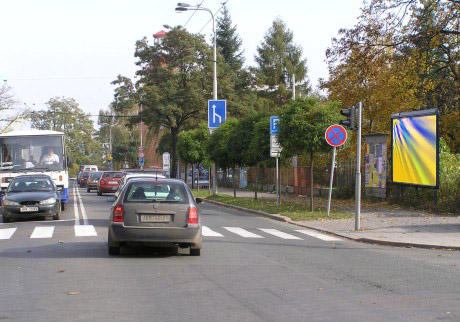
31,133
160,34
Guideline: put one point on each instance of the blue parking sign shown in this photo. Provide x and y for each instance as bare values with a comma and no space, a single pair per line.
217,113
274,125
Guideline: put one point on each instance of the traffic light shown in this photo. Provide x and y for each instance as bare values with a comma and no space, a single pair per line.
350,121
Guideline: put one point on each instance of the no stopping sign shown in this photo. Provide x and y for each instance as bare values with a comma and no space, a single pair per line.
336,135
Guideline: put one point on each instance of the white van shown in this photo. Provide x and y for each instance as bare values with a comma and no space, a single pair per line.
90,168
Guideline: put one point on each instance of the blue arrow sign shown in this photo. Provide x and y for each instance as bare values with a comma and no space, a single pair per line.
141,161
217,113
274,125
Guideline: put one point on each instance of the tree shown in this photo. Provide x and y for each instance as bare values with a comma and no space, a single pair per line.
259,148
228,41
302,126
191,147
65,115
278,58
6,98
174,83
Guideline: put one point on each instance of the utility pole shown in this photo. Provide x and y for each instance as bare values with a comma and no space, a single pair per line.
358,172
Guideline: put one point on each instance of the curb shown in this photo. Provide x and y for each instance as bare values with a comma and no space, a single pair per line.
361,240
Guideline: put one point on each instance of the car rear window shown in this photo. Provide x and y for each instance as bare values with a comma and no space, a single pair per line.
85,174
154,191
112,175
96,175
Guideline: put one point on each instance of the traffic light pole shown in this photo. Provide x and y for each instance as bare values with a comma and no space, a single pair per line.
358,172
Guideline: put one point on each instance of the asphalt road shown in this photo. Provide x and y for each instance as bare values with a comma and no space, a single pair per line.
251,269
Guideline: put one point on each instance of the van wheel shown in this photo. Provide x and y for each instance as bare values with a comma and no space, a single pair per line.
195,252
99,193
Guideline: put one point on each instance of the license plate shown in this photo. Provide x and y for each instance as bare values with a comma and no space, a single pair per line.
28,209
155,218
113,182
114,188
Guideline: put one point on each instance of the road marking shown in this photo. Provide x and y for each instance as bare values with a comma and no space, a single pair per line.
85,230
6,233
75,206
82,208
318,235
242,232
208,232
279,234
43,232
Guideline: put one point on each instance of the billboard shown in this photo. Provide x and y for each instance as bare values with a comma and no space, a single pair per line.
415,148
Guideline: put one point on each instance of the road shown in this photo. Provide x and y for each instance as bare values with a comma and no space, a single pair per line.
251,269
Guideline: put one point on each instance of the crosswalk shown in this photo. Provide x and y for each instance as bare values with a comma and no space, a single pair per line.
46,232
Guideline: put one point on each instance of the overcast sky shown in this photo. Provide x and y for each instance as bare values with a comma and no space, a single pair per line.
75,49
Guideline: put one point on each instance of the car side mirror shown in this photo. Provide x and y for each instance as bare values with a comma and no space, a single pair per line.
111,199
199,200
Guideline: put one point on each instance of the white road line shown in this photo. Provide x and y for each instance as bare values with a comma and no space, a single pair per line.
318,235
82,208
6,233
43,232
208,232
242,232
75,206
279,234
85,230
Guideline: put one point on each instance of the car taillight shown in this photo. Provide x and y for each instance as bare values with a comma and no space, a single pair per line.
118,214
192,215
90,180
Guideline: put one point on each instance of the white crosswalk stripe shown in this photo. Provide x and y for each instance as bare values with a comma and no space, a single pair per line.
208,232
85,230
6,233
43,232
280,234
242,232
318,235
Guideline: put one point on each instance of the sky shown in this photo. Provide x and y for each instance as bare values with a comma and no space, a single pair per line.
52,48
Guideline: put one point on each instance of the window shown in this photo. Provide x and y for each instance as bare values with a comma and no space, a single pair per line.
154,191
96,175
28,184
112,175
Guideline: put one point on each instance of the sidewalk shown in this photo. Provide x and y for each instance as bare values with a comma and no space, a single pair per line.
385,226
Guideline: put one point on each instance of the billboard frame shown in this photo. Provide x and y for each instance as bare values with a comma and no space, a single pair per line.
419,113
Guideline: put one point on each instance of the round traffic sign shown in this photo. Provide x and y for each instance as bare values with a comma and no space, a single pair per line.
336,135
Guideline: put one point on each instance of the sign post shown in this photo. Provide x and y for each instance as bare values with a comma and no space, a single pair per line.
335,135
217,114
275,151
166,163
141,156
358,172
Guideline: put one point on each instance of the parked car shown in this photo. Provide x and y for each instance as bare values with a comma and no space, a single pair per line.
84,179
155,213
93,181
28,196
109,182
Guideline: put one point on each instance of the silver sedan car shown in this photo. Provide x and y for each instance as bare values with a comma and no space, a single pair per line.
155,212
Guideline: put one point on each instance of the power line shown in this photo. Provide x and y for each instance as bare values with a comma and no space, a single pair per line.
194,11
223,4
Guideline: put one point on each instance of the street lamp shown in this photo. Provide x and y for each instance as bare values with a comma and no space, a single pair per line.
181,7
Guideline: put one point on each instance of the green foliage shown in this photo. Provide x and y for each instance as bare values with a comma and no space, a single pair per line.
259,149
278,57
65,115
191,145
125,151
228,41
303,123
217,147
165,143
449,177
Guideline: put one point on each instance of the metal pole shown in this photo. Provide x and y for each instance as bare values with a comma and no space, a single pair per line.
358,172
331,181
277,184
141,125
214,96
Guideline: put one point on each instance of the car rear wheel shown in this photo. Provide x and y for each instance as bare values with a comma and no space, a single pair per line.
88,190
195,252
99,193
114,250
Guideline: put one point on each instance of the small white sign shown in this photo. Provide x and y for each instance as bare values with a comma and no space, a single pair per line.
166,163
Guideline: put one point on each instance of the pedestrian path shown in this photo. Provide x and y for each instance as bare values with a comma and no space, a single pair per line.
43,232
47,232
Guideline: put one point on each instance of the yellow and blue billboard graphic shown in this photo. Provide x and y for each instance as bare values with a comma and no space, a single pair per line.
415,148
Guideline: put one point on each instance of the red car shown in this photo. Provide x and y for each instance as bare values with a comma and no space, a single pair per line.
109,182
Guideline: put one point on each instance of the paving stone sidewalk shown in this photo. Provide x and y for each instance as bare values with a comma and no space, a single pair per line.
387,226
